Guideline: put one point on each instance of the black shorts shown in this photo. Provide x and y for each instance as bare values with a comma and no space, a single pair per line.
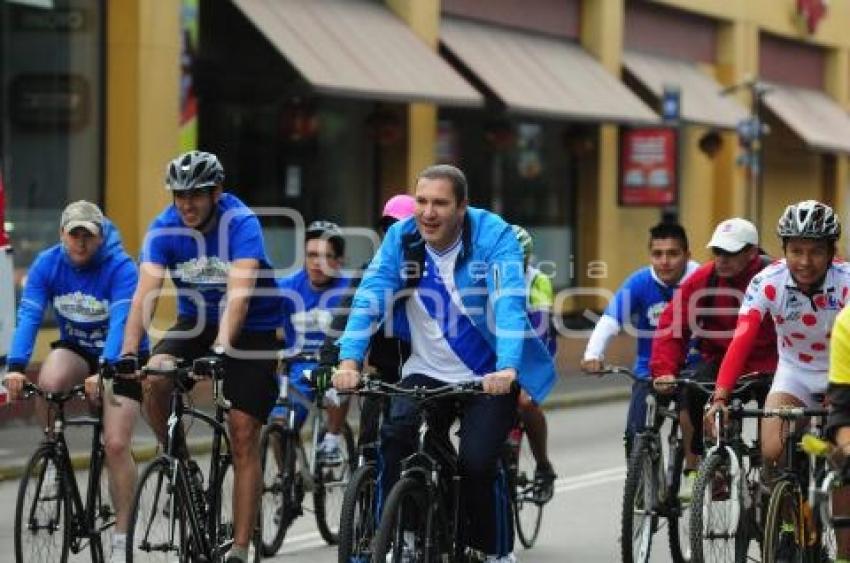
249,383
124,387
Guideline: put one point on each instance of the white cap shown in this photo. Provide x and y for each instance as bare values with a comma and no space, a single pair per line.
734,234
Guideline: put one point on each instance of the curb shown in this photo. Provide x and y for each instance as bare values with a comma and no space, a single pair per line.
146,452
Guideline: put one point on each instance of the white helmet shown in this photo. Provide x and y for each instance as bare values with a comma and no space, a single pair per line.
809,219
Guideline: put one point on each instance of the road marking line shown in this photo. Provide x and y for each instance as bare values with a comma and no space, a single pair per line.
304,541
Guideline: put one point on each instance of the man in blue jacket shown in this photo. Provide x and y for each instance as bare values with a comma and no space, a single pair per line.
462,265
88,279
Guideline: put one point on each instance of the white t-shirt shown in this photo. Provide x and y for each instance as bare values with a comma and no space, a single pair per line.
803,323
430,354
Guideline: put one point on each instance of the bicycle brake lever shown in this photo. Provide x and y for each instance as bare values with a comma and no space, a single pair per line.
218,391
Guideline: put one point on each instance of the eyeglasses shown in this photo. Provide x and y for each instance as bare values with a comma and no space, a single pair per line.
194,192
719,252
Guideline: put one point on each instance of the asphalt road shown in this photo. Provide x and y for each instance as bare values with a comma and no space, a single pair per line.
581,524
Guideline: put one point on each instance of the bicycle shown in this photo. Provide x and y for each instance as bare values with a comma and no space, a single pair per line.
791,529
421,519
653,478
51,517
725,505
526,500
359,516
289,473
173,515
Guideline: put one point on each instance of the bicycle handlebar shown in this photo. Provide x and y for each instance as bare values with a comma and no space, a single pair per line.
58,397
377,387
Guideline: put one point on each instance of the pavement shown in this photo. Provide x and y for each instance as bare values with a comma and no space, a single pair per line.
20,435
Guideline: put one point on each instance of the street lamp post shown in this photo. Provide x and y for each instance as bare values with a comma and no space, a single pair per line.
751,131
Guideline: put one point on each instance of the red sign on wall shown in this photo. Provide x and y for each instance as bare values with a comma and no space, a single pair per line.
648,166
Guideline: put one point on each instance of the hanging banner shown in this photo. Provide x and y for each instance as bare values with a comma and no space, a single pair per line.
648,166
188,99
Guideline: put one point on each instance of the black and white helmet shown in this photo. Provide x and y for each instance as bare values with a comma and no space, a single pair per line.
809,219
194,170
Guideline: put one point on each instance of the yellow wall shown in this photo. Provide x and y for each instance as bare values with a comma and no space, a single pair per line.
143,42
423,16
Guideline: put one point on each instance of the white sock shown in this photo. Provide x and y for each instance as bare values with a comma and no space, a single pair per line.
119,541
331,439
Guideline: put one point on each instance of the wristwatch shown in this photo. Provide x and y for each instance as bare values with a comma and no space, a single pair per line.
218,349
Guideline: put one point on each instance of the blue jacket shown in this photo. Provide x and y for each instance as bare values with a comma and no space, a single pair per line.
489,274
91,302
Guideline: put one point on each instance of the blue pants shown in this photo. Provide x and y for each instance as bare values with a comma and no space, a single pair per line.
298,385
636,417
485,423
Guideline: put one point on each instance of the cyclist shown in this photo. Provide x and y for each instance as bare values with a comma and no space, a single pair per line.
638,304
88,279
802,293
539,305
458,262
211,245
309,297
700,309
386,352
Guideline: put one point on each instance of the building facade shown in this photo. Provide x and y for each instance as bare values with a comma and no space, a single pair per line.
328,107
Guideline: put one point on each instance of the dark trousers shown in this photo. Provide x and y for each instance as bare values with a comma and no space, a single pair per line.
636,417
696,399
484,426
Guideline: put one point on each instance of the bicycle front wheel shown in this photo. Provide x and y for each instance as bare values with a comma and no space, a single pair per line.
528,510
718,533
784,536
283,487
42,511
639,519
331,481
102,512
157,532
358,519
405,524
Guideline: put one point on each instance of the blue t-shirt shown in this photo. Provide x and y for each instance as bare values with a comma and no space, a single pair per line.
637,305
199,262
307,312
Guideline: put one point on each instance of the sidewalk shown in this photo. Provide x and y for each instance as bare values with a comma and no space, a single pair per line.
18,438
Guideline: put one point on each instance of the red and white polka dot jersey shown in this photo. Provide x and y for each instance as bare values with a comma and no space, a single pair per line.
803,322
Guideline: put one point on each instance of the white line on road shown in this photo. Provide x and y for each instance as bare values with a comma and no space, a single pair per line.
309,540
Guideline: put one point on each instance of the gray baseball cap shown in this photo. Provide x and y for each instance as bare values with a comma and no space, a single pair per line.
82,214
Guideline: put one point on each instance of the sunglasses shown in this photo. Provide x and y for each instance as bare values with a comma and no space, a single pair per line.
719,252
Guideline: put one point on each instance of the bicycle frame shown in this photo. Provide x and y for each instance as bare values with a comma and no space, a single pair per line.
82,517
206,541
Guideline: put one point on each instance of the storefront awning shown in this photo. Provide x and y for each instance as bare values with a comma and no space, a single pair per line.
701,102
540,75
358,48
815,117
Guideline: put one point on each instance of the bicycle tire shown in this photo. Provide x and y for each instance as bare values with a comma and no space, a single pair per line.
781,535
678,516
102,518
279,480
528,512
156,496
639,492
357,522
713,514
53,505
407,503
220,501
328,493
